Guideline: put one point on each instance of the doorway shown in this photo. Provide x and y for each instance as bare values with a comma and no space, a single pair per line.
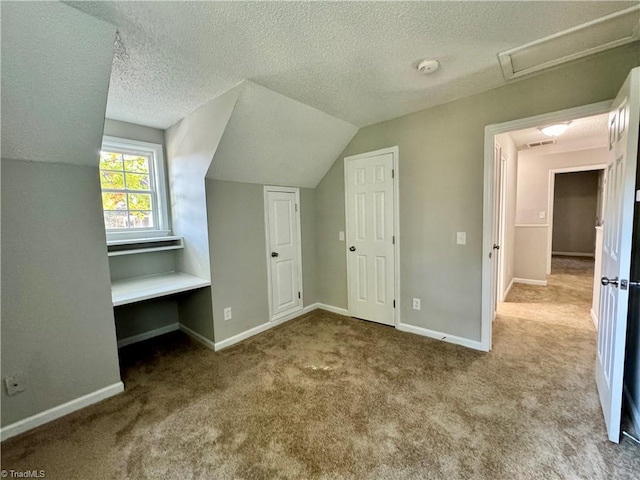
371,203
284,250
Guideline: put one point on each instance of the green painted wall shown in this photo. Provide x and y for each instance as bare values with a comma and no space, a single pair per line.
441,188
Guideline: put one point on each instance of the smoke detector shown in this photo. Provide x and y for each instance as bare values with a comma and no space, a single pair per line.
428,66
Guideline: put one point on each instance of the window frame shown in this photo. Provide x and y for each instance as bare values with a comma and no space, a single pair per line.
159,200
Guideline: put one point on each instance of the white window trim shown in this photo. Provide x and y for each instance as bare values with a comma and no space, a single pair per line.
159,176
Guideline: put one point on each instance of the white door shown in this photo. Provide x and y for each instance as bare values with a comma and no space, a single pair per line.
616,251
369,187
284,258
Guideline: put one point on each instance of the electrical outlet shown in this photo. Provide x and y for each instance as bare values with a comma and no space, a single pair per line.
543,214
227,313
416,304
15,383
461,238
341,236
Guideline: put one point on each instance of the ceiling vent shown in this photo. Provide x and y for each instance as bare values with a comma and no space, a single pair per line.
541,143
596,36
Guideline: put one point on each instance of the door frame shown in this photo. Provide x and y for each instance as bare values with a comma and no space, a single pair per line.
394,151
267,226
550,200
488,210
502,215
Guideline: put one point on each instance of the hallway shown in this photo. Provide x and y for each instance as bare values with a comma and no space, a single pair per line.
566,300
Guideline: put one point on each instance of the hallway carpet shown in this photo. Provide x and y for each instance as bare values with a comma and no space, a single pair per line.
326,396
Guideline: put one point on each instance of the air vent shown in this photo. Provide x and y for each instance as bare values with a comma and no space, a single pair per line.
596,36
541,143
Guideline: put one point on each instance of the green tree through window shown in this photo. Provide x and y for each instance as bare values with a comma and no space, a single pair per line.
128,191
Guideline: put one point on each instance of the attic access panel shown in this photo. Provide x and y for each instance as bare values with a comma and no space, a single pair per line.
602,34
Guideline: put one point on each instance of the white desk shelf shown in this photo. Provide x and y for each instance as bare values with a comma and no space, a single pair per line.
137,289
135,246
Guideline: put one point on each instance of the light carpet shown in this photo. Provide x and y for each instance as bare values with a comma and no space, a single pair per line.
326,396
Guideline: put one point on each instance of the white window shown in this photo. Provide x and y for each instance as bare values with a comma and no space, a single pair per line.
134,196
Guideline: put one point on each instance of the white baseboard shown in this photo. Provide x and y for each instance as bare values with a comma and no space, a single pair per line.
574,254
506,292
633,408
197,337
147,335
594,317
262,328
528,281
41,418
445,337
332,309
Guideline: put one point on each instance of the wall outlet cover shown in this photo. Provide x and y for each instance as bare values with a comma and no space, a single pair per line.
341,236
416,304
227,313
461,238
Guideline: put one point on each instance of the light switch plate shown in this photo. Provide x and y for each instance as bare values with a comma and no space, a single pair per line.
341,236
461,238
543,214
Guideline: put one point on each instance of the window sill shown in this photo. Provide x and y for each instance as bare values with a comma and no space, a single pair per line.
143,245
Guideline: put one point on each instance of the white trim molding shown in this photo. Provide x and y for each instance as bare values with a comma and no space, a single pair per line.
197,337
574,254
332,309
445,337
529,281
506,292
594,317
148,334
262,328
490,131
51,414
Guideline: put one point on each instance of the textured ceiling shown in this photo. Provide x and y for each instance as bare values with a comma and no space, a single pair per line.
353,60
589,132
55,77
274,140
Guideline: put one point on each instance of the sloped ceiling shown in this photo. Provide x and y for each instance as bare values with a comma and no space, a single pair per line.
353,60
56,63
272,139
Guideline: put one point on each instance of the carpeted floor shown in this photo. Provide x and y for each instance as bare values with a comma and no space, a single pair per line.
329,397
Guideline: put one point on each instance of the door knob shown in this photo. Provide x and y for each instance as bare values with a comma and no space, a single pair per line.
609,281
274,254
352,249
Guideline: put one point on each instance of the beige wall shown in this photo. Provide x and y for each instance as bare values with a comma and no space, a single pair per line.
574,212
441,188
238,254
57,319
533,197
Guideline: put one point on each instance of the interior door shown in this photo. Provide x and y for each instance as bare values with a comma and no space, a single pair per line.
370,236
616,251
283,250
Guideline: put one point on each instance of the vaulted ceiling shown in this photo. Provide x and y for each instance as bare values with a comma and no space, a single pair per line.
352,60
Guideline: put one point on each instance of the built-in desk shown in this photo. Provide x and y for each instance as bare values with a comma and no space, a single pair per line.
137,289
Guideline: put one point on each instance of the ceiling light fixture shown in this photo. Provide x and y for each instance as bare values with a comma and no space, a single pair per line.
428,66
555,130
